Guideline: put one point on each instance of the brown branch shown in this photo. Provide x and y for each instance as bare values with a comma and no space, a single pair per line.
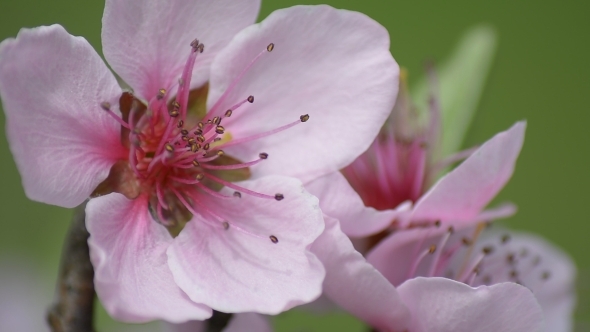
74,306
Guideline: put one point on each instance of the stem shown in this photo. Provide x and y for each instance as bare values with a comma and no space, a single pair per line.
217,322
74,306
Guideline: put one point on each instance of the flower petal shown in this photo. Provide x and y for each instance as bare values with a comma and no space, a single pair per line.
52,85
465,191
444,305
128,252
339,200
238,268
332,64
354,284
148,42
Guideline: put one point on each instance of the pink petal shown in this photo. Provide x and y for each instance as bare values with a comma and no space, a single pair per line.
339,200
239,269
128,251
332,64
148,42
443,305
52,85
465,191
354,284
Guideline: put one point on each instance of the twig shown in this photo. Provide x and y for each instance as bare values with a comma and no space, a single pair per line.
74,306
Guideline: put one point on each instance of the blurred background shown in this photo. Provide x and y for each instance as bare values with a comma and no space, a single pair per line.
540,73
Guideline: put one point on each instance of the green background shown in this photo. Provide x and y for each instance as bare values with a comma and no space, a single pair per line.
541,74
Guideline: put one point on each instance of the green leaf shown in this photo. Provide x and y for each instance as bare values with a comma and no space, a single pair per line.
461,81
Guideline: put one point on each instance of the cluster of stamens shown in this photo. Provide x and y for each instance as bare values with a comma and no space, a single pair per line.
459,257
176,157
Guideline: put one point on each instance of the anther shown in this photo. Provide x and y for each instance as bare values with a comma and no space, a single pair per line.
251,99
106,106
195,43
169,147
451,230
201,138
219,130
237,194
487,250
206,147
466,241
184,132
505,238
432,249
304,117
225,225
263,155
270,47
194,147
200,176
510,258
196,163
173,113
185,138
514,273
216,120
546,275
274,239
198,132
201,125
220,153
228,113
437,223
180,124
161,94
201,48
279,197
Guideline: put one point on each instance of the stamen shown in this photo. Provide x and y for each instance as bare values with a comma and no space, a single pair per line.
274,239
107,108
428,251
234,166
237,79
261,135
241,189
437,255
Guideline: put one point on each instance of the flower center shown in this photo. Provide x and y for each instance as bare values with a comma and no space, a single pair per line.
176,156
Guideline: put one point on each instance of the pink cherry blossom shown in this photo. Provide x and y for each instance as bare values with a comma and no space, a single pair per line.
458,198
166,242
